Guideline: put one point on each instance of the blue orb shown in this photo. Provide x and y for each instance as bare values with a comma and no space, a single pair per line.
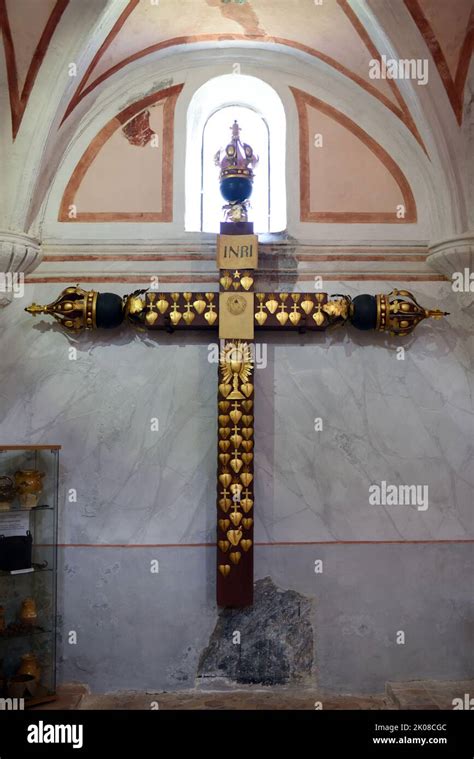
236,189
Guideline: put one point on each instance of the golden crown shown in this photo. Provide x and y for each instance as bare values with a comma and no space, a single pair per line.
74,308
237,159
398,313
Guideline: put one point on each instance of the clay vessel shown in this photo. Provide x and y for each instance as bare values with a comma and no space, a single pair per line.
7,492
30,666
29,486
28,613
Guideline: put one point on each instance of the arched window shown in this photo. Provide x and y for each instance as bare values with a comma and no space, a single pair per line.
260,114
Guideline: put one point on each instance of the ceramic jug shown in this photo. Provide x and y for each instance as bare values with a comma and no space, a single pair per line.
29,486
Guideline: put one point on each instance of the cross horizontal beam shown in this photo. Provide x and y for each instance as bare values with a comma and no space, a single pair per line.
397,312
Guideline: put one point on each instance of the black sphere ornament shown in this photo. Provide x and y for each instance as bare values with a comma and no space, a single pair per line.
236,189
109,313
364,312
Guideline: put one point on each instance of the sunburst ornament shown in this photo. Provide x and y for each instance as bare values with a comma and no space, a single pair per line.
236,363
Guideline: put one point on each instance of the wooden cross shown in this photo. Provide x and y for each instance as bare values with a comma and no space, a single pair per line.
236,311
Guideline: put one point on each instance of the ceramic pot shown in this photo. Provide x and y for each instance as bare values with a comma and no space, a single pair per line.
29,485
28,613
7,492
30,666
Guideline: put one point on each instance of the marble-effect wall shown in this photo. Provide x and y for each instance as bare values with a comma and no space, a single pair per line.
403,421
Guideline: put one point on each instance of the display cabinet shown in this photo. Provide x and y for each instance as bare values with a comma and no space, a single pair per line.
28,572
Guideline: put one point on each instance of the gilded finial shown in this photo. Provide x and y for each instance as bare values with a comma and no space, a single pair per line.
76,309
399,313
34,309
236,162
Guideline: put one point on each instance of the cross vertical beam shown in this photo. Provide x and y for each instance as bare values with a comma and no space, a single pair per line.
235,496
237,247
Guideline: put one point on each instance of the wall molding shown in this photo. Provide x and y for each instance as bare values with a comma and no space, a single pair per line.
170,96
283,263
304,99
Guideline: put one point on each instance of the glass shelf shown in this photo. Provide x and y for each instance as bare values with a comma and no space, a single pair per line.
5,638
39,464
22,510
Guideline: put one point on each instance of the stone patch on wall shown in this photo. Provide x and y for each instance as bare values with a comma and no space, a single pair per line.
276,640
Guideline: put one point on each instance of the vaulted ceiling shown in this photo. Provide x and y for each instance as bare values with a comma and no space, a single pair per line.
331,31
105,39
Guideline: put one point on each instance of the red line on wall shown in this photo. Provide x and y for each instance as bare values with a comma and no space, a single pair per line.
127,257
100,52
316,258
196,38
454,89
169,95
275,543
371,47
19,102
214,277
304,99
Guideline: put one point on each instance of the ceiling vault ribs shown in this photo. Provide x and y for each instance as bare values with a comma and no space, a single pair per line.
404,112
78,95
401,111
253,32
18,102
454,88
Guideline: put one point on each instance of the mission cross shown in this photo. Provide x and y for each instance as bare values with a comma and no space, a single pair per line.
236,311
